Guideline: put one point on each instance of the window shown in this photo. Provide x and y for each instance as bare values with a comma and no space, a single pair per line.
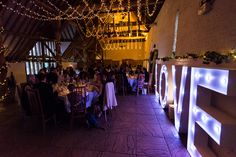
175,32
36,60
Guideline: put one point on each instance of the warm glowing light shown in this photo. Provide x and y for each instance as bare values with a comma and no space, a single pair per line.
193,147
197,75
224,81
209,77
195,110
193,129
217,129
204,118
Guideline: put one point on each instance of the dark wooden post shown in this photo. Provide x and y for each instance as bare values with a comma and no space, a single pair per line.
58,44
3,67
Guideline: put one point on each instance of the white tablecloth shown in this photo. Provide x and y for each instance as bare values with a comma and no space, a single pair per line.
109,96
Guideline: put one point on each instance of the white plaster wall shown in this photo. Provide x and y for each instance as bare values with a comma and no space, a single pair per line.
213,31
18,70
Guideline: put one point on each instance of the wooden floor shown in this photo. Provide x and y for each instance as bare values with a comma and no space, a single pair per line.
138,128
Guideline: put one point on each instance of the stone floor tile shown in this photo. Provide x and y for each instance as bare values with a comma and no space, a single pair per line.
121,144
152,146
84,153
138,127
169,131
110,154
126,128
176,147
152,130
146,119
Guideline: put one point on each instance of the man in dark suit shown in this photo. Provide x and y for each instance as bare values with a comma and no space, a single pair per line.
46,94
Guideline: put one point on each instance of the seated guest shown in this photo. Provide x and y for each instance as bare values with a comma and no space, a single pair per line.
109,74
132,79
24,97
91,119
92,94
96,93
60,108
83,77
97,82
52,77
73,97
46,95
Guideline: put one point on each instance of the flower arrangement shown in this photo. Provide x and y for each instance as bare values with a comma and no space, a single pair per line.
215,57
208,57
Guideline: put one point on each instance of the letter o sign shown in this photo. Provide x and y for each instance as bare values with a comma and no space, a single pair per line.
164,72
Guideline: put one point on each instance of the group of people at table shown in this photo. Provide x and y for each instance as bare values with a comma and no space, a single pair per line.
56,89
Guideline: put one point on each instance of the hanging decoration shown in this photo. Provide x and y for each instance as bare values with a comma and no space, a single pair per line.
139,10
153,10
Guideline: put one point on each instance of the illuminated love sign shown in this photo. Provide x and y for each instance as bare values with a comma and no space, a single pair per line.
163,100
204,117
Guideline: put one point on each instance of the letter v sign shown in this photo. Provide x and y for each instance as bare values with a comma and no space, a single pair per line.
181,91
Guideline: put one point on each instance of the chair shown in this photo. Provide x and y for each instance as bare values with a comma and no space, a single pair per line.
36,107
23,100
109,98
81,91
20,101
140,82
77,106
148,85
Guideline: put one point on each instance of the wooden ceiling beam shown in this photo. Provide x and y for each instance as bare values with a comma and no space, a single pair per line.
7,21
50,50
45,6
36,37
2,10
33,29
23,25
24,42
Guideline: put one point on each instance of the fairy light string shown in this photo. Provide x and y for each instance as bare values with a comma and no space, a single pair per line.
153,10
87,10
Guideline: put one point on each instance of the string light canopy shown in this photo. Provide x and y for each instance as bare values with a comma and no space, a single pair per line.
84,10
105,20
98,11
